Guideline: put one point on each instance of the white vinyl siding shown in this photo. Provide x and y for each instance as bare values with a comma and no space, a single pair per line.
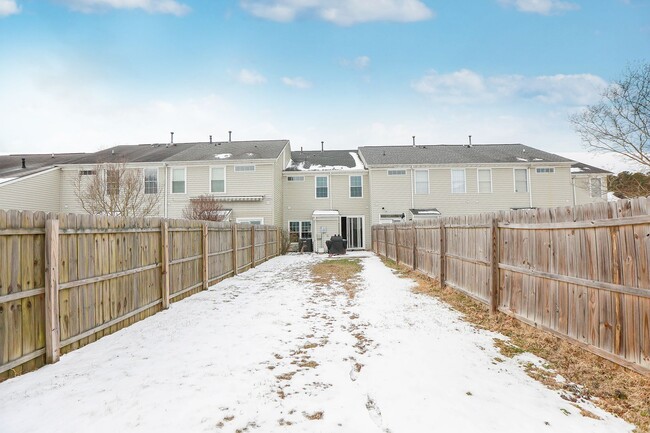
179,176
458,182
521,179
151,181
356,187
422,181
322,187
484,176
217,179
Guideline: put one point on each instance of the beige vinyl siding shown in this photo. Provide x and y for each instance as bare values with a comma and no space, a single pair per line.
552,189
38,192
583,191
278,196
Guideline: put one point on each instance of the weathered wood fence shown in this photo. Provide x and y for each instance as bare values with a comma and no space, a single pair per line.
582,273
67,280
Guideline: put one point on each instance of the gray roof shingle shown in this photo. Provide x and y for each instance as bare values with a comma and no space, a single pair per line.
322,160
231,150
582,168
11,165
456,154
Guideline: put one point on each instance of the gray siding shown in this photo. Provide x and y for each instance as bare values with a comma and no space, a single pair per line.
39,192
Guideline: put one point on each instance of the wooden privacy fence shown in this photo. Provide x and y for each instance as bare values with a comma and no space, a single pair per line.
582,273
67,280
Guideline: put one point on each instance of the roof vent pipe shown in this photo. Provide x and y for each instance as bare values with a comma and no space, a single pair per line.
229,136
322,146
24,166
470,141
414,141
210,139
172,139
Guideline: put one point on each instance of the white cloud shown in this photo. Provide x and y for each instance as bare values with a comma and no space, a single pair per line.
360,63
543,7
341,12
465,86
296,82
152,6
250,77
8,7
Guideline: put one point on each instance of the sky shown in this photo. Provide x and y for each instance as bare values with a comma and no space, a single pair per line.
81,75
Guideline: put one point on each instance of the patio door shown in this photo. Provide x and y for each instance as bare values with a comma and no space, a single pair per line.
352,230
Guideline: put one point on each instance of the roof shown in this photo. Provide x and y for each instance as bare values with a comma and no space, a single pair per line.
456,154
11,165
326,160
231,150
582,168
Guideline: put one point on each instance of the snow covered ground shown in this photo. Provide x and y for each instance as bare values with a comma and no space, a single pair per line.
270,351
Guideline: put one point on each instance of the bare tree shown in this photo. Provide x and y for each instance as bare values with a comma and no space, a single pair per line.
620,122
204,207
114,189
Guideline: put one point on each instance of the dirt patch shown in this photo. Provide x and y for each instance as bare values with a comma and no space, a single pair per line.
313,416
616,389
343,271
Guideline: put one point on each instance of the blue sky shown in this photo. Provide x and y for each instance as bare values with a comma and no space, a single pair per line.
78,75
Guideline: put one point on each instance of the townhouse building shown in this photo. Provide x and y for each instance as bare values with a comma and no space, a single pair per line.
315,194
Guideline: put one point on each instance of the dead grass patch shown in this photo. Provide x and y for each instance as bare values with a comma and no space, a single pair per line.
618,390
286,376
313,416
343,271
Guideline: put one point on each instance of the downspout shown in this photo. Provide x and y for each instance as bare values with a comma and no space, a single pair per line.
573,187
530,187
412,189
166,182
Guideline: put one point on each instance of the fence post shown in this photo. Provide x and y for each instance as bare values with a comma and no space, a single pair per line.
266,243
252,246
52,337
234,248
396,245
205,256
494,287
164,232
415,247
443,250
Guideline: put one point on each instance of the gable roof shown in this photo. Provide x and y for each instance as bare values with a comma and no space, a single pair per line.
582,168
326,160
11,165
231,150
456,154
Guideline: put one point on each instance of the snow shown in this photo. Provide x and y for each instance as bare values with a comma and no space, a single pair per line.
358,165
522,159
325,213
7,179
223,155
608,161
237,358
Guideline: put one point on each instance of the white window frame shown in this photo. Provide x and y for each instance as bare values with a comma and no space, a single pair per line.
240,168
415,182
247,220
396,172
295,178
514,181
223,167
144,179
300,228
171,183
451,173
478,181
350,185
544,170
327,178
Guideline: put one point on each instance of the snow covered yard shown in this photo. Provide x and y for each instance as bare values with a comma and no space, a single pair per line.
272,351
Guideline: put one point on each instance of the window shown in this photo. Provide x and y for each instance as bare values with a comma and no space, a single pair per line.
322,187
397,172
87,172
151,181
299,230
356,186
253,221
296,178
544,170
521,180
217,179
596,185
112,182
484,180
422,181
244,168
178,180
458,181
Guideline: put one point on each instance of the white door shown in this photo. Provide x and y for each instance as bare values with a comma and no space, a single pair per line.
355,232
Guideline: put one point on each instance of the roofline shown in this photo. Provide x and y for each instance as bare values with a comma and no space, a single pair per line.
38,173
474,164
451,145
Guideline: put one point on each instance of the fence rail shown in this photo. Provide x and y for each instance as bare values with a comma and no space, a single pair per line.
582,273
67,280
